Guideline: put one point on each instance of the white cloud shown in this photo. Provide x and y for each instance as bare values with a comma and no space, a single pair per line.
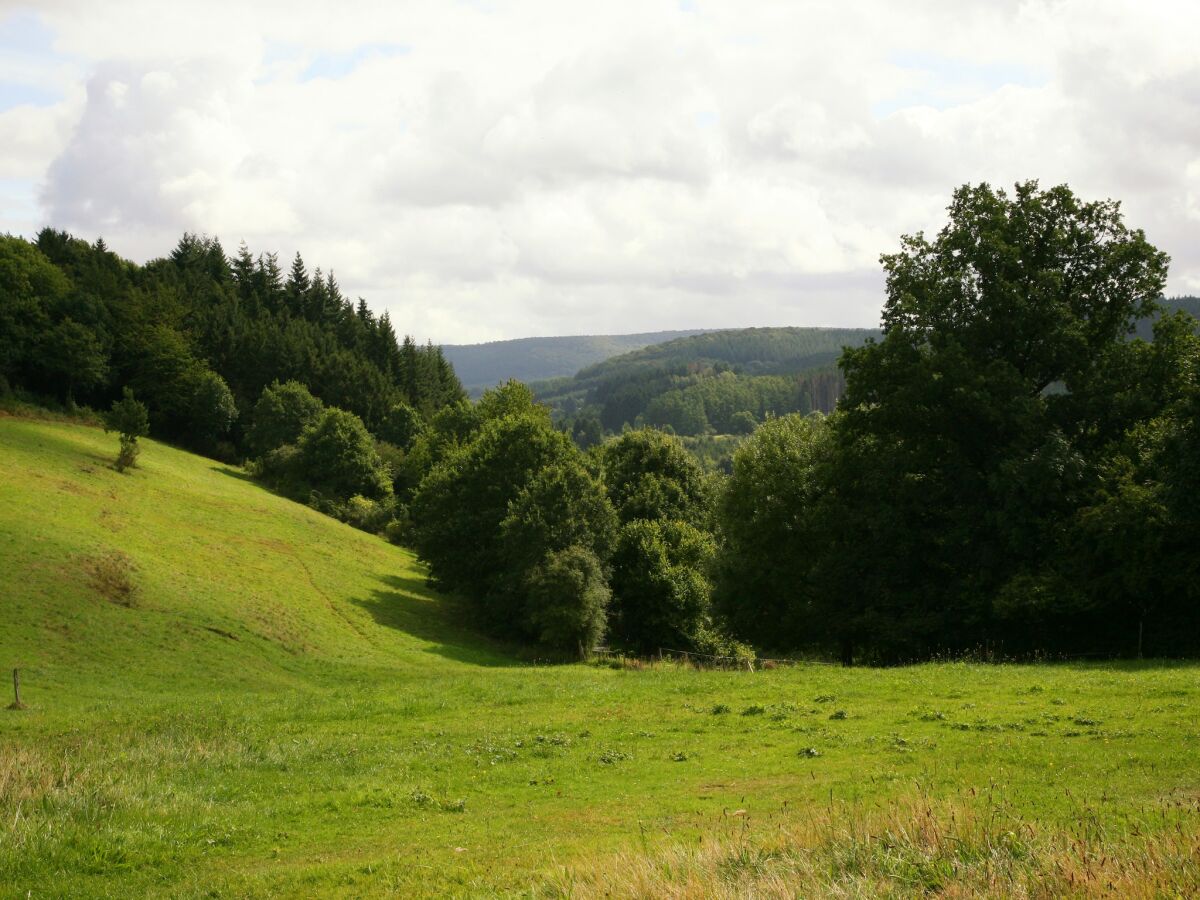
540,167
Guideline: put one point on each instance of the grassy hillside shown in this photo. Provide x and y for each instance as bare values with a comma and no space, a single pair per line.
480,366
270,703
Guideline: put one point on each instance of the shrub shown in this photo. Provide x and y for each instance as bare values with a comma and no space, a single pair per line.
212,408
337,457
280,468
280,416
398,530
567,600
131,420
365,514
127,455
402,426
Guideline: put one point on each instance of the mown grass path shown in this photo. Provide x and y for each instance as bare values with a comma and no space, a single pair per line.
280,707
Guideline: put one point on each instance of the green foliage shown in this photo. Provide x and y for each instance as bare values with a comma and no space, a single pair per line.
460,505
1128,556
562,506
509,399
957,465
365,514
31,287
281,414
743,422
131,420
651,476
402,426
212,410
513,516
337,457
78,323
661,587
567,597
73,355
773,528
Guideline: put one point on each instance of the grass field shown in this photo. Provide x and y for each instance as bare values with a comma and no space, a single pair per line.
231,695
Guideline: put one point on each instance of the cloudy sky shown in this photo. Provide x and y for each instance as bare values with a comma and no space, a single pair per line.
495,169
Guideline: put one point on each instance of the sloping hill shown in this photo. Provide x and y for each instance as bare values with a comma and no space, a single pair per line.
480,366
182,571
698,383
1189,305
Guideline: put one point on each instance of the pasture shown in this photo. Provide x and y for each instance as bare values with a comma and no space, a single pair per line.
229,694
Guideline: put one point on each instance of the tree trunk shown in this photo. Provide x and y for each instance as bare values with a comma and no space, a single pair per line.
847,652
1141,631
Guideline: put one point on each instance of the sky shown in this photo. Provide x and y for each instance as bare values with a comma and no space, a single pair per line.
488,169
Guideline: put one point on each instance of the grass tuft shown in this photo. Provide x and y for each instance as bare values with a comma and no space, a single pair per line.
110,575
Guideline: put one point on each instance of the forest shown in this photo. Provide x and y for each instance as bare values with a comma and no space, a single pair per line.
482,366
720,382
198,335
1008,467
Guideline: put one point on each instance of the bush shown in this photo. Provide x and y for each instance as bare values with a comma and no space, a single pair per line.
393,459
281,414
567,599
743,422
367,515
337,457
402,426
129,418
128,454
212,409
280,468
398,531
711,640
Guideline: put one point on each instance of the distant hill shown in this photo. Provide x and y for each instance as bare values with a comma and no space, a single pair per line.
480,366
715,382
1190,305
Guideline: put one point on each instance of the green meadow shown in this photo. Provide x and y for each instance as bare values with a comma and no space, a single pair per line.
228,694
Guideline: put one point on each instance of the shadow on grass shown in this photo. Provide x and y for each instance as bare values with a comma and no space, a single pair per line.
408,604
239,475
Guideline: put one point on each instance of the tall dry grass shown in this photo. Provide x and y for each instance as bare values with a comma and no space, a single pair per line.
914,847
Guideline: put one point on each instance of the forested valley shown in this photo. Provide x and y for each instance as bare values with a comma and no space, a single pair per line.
1008,467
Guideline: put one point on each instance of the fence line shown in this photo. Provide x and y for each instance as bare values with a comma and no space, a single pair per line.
709,660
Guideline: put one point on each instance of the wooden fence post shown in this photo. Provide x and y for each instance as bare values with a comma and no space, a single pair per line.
16,704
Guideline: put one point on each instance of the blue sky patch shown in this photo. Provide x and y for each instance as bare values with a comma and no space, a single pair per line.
16,94
951,82
338,65
25,32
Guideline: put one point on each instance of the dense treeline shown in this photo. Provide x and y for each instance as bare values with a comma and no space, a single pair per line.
554,545
1011,469
198,335
1008,468
721,382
